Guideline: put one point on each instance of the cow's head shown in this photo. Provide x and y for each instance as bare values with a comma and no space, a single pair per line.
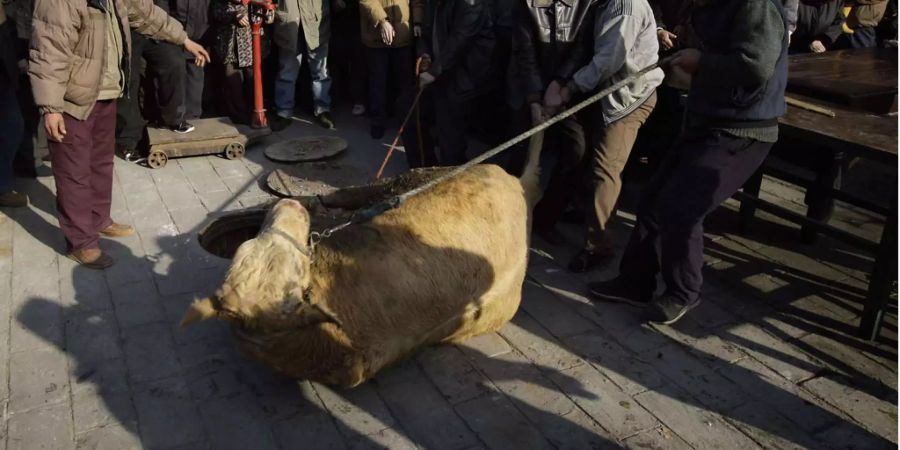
267,283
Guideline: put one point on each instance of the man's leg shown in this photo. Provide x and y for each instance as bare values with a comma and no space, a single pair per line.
612,148
166,62
193,91
130,122
377,60
72,171
321,84
286,83
451,130
12,128
101,163
712,169
568,139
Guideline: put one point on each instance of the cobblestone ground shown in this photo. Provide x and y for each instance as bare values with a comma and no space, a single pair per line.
93,360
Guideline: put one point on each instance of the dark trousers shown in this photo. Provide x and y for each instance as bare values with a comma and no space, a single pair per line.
166,64
861,38
451,113
418,136
234,84
83,171
390,70
704,168
12,128
567,139
193,90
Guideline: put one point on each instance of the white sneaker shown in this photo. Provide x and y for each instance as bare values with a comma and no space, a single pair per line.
359,109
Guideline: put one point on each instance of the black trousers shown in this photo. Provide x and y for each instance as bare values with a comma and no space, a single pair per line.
418,136
705,168
166,66
390,70
193,90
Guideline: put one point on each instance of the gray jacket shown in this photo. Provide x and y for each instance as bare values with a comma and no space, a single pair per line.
624,43
312,16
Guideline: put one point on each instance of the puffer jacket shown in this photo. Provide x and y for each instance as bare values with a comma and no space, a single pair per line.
68,47
402,14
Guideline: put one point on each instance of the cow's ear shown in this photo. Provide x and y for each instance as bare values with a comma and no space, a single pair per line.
199,311
314,314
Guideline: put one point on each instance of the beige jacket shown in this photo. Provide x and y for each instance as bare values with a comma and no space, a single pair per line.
402,14
866,13
68,48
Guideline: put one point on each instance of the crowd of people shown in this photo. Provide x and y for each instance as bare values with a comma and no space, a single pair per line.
97,72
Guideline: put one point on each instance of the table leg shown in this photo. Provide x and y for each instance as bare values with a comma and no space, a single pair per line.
883,274
818,196
748,209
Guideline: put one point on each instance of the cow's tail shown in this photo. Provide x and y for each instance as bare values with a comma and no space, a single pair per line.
531,175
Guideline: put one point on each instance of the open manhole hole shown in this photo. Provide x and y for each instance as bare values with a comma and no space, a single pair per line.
224,235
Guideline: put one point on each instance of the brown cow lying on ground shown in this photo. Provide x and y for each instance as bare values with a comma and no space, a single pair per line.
446,265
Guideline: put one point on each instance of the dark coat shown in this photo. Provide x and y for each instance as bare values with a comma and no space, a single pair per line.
461,39
817,20
193,15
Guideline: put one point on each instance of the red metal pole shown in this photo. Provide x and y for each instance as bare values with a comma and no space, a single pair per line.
259,116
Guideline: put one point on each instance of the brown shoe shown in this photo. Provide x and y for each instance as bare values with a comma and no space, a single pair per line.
117,230
92,258
13,199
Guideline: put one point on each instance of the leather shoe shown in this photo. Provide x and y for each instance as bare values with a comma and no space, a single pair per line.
92,258
13,199
117,230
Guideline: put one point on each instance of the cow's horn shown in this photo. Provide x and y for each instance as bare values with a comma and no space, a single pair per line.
200,310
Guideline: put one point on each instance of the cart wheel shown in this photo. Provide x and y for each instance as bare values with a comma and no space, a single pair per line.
157,159
235,150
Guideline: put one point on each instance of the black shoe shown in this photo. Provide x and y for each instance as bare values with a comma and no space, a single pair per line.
668,309
325,120
377,131
550,235
586,261
278,123
183,128
621,291
127,153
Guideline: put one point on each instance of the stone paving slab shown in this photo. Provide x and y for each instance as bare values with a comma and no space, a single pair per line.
94,360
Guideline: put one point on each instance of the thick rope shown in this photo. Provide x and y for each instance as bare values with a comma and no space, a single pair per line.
393,202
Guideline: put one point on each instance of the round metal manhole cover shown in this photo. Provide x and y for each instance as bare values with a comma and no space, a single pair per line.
311,148
318,178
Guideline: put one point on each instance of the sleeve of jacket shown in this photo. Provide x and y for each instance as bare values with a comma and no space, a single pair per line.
658,15
54,33
371,12
755,45
791,8
470,18
582,50
834,30
612,41
524,55
150,20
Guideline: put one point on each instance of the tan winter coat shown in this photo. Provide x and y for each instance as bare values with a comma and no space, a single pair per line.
68,47
402,14
866,13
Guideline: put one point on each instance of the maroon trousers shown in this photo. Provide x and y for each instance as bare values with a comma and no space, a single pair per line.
83,170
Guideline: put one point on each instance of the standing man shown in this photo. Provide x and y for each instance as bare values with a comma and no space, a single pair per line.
12,126
624,43
736,96
303,29
80,51
549,43
465,65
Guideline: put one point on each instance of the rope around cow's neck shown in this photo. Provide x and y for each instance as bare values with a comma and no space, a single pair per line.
376,210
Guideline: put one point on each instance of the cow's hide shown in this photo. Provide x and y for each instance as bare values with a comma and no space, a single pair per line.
446,265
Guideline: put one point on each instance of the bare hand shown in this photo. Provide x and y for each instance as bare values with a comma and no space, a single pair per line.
552,97
817,46
417,30
201,57
538,116
565,94
387,32
666,39
425,79
55,126
687,60
243,21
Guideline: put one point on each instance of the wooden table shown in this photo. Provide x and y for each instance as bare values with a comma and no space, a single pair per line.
860,87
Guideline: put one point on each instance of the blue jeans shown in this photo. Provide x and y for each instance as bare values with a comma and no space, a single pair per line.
289,69
12,128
